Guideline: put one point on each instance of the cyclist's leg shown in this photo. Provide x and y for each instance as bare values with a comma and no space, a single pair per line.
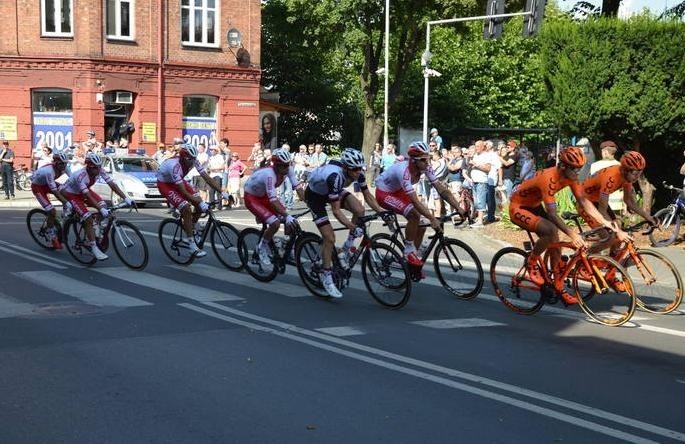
532,219
597,247
353,205
400,203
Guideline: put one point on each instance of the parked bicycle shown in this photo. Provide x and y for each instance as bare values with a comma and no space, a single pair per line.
669,219
456,265
22,178
222,236
127,240
282,251
603,288
385,273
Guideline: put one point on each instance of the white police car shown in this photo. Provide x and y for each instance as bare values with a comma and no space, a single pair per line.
136,175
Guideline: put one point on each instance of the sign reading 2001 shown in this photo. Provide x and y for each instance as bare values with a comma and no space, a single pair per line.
55,129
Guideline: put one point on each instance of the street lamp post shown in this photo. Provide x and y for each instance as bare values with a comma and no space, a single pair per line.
386,73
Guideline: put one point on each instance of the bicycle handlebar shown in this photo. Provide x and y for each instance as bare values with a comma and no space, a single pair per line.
635,228
671,187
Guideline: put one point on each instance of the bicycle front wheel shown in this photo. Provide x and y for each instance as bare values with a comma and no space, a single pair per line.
129,244
606,292
668,227
458,268
386,275
309,263
37,222
224,240
511,282
77,243
174,246
248,244
658,285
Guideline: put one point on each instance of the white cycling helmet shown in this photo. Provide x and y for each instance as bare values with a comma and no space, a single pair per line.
418,149
352,158
188,151
281,156
94,159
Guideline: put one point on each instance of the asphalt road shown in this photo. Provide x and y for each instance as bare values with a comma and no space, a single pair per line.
201,354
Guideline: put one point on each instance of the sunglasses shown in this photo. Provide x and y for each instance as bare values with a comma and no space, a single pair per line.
357,169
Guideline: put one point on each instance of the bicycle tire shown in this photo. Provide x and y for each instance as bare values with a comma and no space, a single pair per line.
36,221
308,257
224,240
612,306
248,242
75,241
171,238
24,182
381,264
658,285
510,282
385,238
129,244
459,259
668,228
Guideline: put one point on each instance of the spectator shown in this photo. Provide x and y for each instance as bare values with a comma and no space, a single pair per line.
235,173
215,168
46,156
455,175
527,166
256,157
375,166
176,146
78,159
285,191
608,151
7,159
480,167
38,155
439,166
389,157
434,137
160,154
90,138
225,151
584,144
301,158
319,158
509,158
198,181
494,180
682,169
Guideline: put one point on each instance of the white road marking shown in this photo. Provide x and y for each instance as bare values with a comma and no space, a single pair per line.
10,307
341,331
457,323
90,294
32,255
289,332
189,291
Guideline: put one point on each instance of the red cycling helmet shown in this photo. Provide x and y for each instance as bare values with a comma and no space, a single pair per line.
633,160
573,157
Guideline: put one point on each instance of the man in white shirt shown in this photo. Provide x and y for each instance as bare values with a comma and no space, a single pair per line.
608,149
480,167
494,179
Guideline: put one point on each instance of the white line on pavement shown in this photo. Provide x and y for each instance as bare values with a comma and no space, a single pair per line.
31,255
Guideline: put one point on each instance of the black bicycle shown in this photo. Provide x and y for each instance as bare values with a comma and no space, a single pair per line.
281,251
222,236
127,240
37,223
384,271
457,266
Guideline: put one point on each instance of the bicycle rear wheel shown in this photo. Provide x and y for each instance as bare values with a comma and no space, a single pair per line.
248,243
224,240
387,239
511,282
308,257
129,244
668,227
77,243
386,275
658,285
458,268
171,238
36,220
605,293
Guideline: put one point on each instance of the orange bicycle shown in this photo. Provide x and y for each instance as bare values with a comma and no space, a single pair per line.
603,288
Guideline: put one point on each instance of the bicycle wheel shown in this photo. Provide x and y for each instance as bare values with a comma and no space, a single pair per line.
248,243
224,240
458,268
658,285
387,239
24,182
511,283
308,258
171,238
129,244
77,243
386,275
669,226
605,293
37,223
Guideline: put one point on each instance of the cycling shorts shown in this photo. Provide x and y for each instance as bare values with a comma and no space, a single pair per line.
397,201
173,197
261,208
78,202
526,217
317,203
41,192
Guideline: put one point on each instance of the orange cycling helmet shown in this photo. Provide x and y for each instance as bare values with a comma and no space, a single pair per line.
573,157
633,160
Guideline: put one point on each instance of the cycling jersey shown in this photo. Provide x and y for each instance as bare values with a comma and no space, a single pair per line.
172,171
80,182
265,181
605,182
398,177
42,183
330,180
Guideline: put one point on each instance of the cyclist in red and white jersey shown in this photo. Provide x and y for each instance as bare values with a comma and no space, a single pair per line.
395,191
43,183
261,198
180,194
77,191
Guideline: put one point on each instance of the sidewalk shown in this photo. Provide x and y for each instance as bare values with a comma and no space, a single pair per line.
23,199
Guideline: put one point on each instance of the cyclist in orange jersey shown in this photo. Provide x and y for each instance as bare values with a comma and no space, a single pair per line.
526,211
600,185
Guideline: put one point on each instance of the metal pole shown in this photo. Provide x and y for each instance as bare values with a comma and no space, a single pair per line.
425,83
387,74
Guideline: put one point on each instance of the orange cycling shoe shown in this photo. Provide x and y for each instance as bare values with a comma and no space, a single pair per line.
534,273
568,298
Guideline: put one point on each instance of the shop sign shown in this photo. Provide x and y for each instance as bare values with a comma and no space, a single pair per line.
55,129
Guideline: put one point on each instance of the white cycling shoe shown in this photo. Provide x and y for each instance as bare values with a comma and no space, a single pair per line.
99,255
195,250
329,286
263,253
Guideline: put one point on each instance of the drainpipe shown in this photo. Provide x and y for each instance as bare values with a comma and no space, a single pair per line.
160,71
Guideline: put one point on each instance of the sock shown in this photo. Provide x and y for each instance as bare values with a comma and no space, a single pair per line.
349,242
409,247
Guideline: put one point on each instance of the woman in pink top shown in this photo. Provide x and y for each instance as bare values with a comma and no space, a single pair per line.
236,170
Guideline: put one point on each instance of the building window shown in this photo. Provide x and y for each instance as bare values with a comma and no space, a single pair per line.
57,18
53,120
120,19
198,23
199,120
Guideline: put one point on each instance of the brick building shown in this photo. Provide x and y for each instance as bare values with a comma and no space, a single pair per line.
164,68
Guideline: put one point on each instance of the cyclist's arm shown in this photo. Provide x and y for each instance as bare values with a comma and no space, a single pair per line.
594,212
210,181
421,208
117,190
603,205
447,195
632,205
181,187
371,200
337,212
